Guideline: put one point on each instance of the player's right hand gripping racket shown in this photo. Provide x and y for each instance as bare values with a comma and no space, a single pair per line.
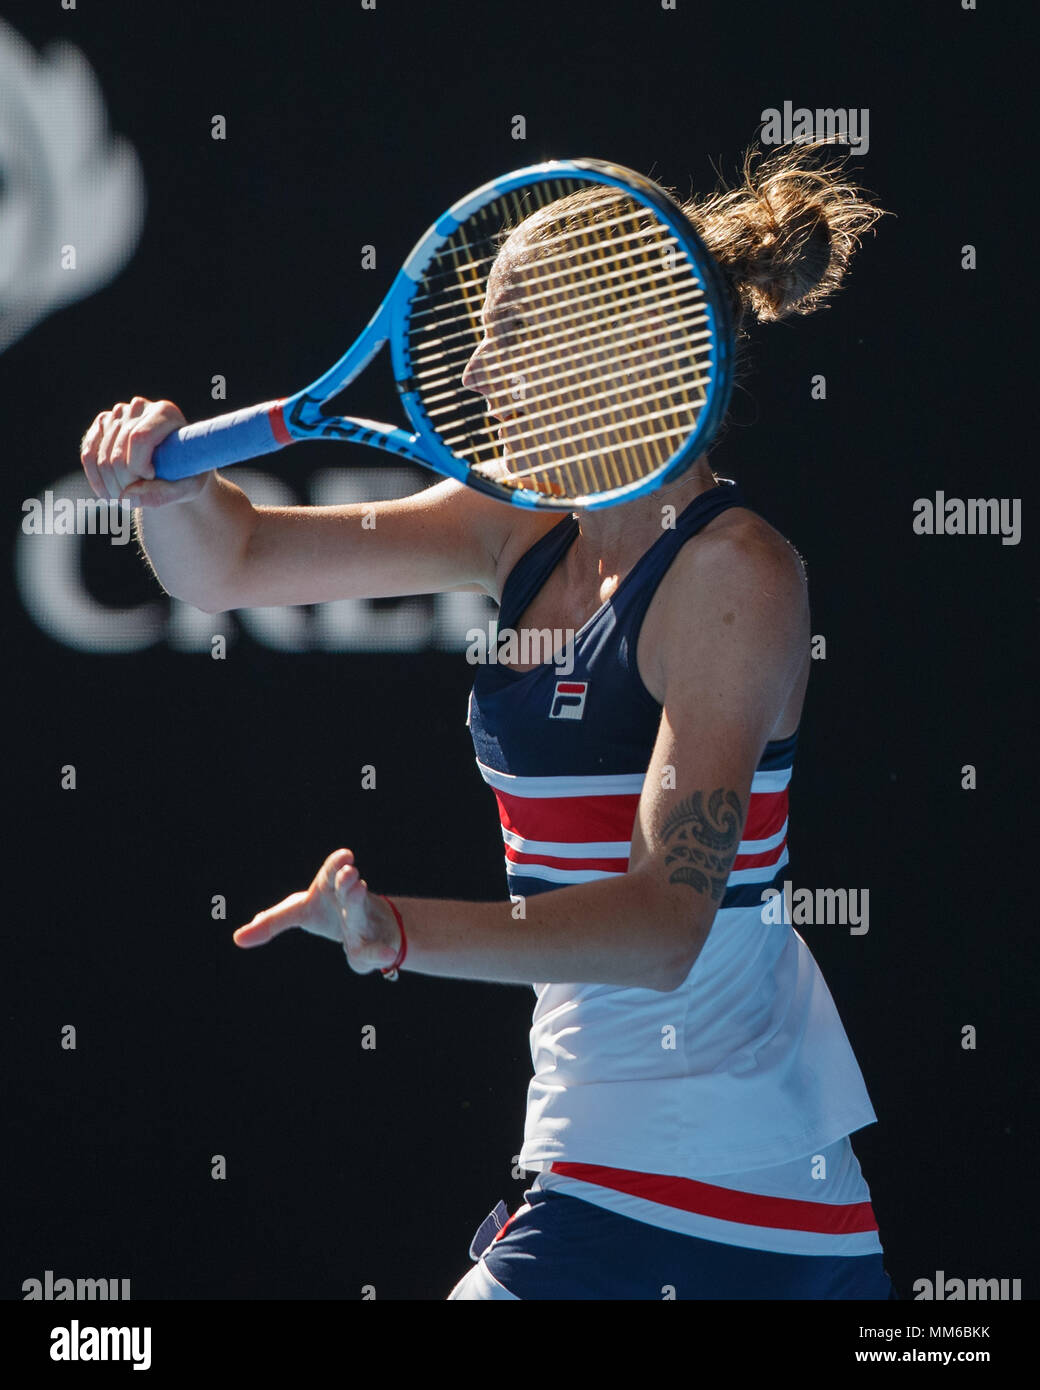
605,358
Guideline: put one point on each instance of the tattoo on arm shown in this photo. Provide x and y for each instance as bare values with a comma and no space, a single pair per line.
701,841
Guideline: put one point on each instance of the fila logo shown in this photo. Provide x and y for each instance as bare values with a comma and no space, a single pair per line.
569,700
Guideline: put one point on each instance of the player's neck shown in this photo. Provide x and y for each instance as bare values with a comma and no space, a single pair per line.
617,536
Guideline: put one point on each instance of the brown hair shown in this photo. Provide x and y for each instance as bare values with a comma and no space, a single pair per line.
784,236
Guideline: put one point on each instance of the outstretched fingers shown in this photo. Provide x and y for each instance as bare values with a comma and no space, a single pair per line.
319,910
265,926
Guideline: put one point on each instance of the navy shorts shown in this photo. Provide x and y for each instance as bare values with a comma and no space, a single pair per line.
561,1247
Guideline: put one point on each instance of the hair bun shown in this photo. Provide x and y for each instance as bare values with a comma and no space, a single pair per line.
787,233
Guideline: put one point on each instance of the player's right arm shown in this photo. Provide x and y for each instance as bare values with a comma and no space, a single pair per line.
209,545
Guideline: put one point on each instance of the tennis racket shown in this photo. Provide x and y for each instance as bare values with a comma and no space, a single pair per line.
590,323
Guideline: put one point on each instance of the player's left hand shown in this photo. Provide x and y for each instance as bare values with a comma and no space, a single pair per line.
339,906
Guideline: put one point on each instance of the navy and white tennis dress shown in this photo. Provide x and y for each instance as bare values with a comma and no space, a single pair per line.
688,1144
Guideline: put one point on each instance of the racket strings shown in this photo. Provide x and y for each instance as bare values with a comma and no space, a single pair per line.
574,268
590,409
538,349
434,278
564,273
622,465
596,362
607,380
581,319
589,260
439,384
526,301
452,296
592,456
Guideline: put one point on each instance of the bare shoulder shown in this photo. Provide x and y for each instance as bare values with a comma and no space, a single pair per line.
738,582
742,554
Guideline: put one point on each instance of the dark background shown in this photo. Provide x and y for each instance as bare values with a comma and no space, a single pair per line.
196,777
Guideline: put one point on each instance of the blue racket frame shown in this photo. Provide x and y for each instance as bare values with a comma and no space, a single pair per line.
262,429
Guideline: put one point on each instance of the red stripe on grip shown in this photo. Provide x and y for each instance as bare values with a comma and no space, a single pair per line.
277,420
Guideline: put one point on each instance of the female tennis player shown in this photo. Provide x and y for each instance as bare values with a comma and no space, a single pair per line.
694,1091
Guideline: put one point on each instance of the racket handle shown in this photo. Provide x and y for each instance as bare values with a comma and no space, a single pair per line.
222,441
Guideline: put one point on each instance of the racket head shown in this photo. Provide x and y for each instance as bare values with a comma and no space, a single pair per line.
601,365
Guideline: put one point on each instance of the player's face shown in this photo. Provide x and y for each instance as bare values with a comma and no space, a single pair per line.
527,367
557,374
493,369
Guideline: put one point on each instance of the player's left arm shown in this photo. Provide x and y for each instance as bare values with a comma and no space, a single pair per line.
733,634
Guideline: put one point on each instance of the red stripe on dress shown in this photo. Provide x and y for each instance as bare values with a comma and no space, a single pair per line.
616,866
507,1225
723,1203
569,819
766,815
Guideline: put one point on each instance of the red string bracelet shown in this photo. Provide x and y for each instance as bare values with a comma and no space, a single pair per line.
390,973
